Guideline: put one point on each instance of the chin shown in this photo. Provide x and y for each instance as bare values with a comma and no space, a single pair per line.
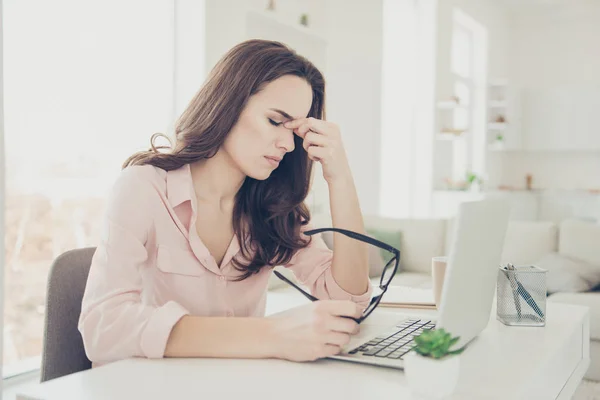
260,175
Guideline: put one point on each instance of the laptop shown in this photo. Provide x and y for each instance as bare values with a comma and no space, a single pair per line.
467,294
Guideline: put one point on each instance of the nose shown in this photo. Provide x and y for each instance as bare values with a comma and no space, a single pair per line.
286,142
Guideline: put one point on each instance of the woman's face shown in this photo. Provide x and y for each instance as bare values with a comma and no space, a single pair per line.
258,140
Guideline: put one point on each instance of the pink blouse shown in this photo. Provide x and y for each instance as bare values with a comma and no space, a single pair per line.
151,268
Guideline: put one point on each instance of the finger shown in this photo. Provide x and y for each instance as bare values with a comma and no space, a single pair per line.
317,153
342,308
302,130
337,338
343,325
294,123
331,350
316,125
314,139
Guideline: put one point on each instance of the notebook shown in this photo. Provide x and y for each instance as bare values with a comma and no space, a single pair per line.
408,297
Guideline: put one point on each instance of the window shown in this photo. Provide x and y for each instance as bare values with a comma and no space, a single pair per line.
82,91
462,51
468,55
462,68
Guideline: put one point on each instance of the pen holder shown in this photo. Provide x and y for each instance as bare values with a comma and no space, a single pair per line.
521,296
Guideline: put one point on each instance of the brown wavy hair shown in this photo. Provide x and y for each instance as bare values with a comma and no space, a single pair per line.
268,214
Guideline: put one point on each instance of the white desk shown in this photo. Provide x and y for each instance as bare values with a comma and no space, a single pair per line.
502,363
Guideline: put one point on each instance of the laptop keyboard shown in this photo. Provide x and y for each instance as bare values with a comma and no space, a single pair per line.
395,343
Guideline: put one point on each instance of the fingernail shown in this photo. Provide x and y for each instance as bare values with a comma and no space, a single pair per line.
287,124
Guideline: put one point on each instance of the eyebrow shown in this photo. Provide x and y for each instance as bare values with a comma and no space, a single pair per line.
283,113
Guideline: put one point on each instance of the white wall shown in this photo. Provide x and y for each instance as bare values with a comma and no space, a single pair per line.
353,70
495,18
226,21
189,58
2,187
353,80
555,46
552,170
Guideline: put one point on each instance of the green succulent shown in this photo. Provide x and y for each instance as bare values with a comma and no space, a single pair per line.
436,343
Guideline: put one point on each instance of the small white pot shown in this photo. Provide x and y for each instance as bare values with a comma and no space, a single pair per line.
429,378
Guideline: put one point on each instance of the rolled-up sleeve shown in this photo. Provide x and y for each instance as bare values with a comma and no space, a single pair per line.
114,323
312,267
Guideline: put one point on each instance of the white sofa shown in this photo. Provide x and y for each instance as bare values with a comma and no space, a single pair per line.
526,243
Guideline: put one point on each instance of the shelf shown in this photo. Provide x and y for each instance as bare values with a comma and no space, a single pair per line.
448,105
274,17
498,126
448,136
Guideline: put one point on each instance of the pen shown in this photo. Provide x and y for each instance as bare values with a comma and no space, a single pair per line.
513,284
525,294
527,297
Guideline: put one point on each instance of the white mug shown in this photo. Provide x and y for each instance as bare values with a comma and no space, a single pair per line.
438,272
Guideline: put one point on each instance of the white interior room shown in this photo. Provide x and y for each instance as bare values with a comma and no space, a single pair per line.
438,101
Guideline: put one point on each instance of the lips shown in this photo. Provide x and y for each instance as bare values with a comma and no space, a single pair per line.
274,161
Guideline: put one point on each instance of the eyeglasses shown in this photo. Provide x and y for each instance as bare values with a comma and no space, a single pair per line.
389,271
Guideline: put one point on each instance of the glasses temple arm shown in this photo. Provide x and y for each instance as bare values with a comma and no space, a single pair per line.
357,236
286,280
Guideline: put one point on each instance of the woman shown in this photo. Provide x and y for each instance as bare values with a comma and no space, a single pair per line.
193,233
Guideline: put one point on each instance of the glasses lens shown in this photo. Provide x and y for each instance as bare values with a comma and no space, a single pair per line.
388,272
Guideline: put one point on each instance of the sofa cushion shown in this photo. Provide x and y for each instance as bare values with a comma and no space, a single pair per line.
421,239
526,242
376,261
377,257
588,299
580,239
391,237
383,229
566,274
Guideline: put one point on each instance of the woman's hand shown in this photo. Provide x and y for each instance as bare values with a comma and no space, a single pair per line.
323,143
315,330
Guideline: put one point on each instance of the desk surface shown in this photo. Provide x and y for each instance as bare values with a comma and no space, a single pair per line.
502,363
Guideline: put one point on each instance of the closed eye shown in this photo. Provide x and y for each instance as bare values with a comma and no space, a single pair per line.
274,123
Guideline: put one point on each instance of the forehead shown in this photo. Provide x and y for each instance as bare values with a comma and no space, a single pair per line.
288,93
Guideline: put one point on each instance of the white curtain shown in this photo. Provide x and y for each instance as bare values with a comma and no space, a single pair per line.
2,175
86,85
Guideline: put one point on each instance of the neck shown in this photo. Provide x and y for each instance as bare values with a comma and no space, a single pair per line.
216,180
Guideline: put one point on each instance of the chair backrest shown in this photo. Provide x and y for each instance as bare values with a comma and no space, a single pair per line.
63,351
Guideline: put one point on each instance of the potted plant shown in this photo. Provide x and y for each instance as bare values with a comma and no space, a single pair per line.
498,142
432,367
473,182
304,19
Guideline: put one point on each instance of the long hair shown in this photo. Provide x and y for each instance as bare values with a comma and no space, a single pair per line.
267,215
